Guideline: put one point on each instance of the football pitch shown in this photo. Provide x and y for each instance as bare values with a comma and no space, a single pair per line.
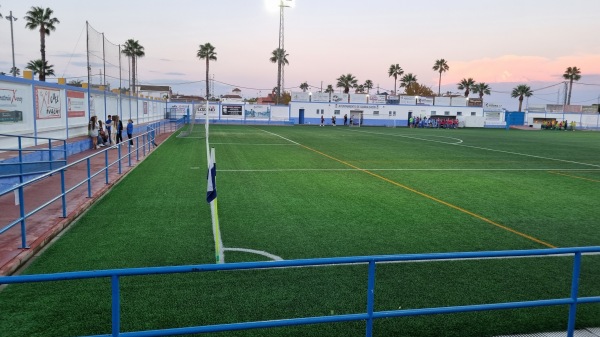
309,192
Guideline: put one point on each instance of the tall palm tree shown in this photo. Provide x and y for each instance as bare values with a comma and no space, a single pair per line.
481,89
368,85
38,17
41,69
280,57
360,89
520,91
407,81
440,66
347,81
133,49
329,89
207,52
571,74
395,71
15,71
466,84
304,86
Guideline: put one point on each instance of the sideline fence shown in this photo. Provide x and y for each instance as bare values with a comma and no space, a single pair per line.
369,316
143,145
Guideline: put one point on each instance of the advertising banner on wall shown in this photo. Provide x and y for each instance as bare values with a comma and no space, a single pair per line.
75,104
408,100
320,97
378,99
492,107
179,109
145,107
11,104
48,103
257,111
201,109
424,100
300,96
358,98
442,101
339,98
458,101
231,110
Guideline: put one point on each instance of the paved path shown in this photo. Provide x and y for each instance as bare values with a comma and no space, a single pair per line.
44,225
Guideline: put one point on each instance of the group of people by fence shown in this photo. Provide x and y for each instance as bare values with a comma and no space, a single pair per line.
102,134
556,125
436,123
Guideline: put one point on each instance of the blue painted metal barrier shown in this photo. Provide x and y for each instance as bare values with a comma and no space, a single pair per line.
143,142
369,316
31,161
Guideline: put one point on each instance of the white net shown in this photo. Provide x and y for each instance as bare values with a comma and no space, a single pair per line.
107,66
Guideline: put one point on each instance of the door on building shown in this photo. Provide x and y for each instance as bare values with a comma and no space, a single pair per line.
356,116
301,116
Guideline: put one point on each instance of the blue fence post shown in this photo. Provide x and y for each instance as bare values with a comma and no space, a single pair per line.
370,298
89,178
574,292
119,154
116,306
22,212
137,148
106,165
63,194
144,143
129,152
50,156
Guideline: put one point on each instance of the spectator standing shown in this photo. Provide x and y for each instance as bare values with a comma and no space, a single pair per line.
93,131
119,129
108,124
130,131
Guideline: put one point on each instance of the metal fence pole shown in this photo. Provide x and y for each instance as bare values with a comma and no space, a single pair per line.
64,196
89,178
106,165
574,292
370,298
116,306
119,159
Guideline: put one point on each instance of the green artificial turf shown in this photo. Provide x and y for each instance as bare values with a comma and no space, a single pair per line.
309,192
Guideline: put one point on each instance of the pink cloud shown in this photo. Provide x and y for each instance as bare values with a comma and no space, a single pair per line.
513,68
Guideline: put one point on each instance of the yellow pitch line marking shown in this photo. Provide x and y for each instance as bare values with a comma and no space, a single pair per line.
572,176
435,199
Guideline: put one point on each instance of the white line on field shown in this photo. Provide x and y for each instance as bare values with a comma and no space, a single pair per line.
274,134
411,169
254,251
251,144
482,148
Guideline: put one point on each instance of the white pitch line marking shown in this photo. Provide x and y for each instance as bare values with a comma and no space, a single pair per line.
483,148
254,251
252,144
274,134
409,169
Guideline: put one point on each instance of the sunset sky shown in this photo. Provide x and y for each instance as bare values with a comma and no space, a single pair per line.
502,43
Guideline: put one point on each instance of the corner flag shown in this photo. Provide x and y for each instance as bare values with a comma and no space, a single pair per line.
211,188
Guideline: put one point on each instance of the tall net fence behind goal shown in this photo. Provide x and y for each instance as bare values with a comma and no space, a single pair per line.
107,66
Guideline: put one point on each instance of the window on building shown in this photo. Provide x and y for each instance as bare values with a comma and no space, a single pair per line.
394,113
375,113
322,111
433,113
459,113
390,113
336,112
317,111
447,113
473,113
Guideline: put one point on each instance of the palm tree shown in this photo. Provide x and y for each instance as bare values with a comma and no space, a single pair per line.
280,57
347,81
304,86
395,71
407,80
481,89
75,83
571,74
329,89
360,89
15,71
207,52
38,17
440,66
466,84
133,49
368,85
520,91
41,69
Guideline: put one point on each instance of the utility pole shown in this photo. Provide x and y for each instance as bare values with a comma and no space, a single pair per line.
11,18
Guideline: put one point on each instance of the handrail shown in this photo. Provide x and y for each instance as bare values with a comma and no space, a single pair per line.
21,163
143,142
369,316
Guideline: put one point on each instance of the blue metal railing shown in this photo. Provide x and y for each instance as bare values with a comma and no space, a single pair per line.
369,316
31,161
143,142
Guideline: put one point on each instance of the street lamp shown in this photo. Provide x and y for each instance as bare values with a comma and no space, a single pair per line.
11,18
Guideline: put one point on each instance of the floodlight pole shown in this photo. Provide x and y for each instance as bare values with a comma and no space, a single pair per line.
11,18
